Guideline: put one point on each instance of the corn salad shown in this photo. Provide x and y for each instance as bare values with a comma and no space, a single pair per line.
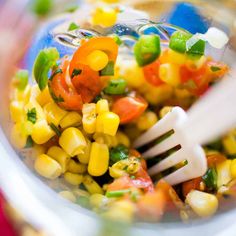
77,122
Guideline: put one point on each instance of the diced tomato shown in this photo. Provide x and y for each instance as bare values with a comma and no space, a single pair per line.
195,81
105,44
141,181
215,159
151,206
65,96
190,185
87,83
172,198
151,73
129,108
216,70
121,183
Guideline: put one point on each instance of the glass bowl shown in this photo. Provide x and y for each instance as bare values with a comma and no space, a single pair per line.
41,206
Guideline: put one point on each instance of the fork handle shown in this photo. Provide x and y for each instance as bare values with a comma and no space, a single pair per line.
215,113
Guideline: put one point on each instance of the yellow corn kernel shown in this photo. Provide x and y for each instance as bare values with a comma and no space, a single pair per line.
157,95
102,106
176,57
147,120
60,156
99,159
42,97
71,119
22,95
182,93
98,200
124,167
169,73
107,123
84,157
97,60
203,204
104,16
122,211
42,132
27,127
89,117
129,69
91,185
17,111
229,143
47,167
73,179
68,195
110,141
165,110
76,168
233,168
54,114
72,141
39,110
223,173
122,138
18,136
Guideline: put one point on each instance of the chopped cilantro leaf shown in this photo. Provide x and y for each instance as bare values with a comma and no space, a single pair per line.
55,129
32,115
76,72
58,71
215,68
73,26
29,142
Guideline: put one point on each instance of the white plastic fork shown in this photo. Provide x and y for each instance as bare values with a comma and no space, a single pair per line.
213,115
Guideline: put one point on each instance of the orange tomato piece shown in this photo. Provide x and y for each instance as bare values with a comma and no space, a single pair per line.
87,83
151,206
172,198
214,159
216,70
190,185
105,44
129,108
195,81
65,96
121,183
151,73
142,181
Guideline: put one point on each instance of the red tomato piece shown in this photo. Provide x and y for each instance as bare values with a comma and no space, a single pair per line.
129,108
120,184
195,81
141,181
87,83
190,185
151,73
151,206
65,96
216,70
214,159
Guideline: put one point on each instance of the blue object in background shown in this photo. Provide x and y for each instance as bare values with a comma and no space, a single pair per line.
187,16
44,39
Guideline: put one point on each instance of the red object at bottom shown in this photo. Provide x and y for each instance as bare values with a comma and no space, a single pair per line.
6,228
